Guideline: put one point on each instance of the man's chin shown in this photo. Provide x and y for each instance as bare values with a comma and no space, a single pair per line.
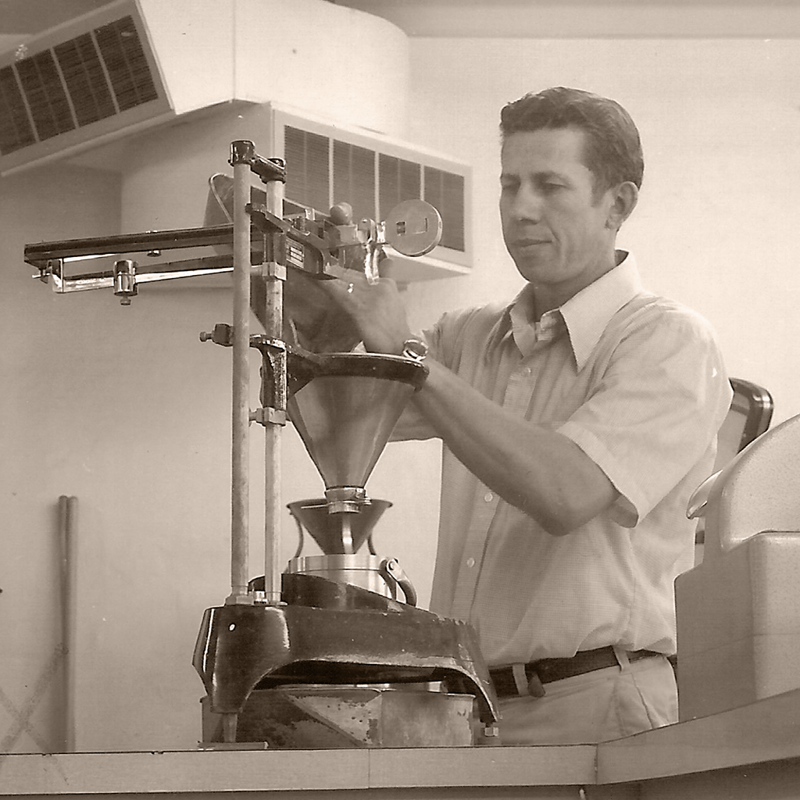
532,270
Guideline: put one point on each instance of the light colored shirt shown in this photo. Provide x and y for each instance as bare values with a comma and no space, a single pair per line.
638,383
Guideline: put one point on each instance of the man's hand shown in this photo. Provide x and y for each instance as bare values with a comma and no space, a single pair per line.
311,319
376,309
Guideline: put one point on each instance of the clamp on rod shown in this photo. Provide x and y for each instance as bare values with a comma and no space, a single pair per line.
269,170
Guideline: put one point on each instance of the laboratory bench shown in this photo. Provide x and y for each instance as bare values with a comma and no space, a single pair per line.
748,752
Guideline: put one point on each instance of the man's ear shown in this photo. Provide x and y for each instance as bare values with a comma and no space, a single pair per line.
624,199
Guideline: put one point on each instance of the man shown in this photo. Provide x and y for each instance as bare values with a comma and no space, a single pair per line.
576,423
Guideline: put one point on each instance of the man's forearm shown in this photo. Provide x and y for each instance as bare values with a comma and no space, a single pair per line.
535,469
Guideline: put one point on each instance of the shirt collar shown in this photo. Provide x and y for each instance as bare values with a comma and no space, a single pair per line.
586,315
528,334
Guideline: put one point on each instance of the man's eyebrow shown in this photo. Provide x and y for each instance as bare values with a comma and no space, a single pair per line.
543,175
550,174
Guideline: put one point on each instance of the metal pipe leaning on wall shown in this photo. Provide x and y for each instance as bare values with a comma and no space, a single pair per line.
68,548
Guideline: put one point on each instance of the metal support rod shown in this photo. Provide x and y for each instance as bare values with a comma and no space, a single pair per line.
240,486
229,725
273,316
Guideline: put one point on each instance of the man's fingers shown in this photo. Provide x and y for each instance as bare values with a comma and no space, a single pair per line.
341,291
387,267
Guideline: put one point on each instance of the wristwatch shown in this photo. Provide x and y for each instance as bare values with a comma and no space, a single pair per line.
415,349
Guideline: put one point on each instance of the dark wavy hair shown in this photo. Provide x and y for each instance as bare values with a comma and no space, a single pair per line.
613,150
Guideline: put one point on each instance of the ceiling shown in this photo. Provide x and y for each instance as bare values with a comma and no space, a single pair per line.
505,18
32,16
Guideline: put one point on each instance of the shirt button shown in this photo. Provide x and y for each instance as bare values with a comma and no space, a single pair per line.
470,562
488,497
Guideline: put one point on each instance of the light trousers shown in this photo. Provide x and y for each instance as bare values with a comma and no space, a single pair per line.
594,707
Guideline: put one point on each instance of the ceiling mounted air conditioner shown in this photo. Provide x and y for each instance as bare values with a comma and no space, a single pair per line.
133,64
77,83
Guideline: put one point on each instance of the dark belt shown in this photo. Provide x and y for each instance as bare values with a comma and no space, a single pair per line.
547,670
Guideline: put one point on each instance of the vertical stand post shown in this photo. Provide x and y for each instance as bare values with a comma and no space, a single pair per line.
241,156
275,275
272,173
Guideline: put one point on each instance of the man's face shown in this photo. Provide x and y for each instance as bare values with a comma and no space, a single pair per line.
554,227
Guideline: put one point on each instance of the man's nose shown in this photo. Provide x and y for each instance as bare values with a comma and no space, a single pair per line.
527,205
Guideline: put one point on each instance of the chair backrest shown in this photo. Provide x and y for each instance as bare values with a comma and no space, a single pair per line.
749,416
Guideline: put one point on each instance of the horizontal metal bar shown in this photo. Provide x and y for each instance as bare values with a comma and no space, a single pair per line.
145,272
39,254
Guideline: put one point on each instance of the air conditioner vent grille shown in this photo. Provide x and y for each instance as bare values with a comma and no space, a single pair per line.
45,95
85,79
354,178
307,159
399,180
96,75
124,58
16,130
445,191
371,181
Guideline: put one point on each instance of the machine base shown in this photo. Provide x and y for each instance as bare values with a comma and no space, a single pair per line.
328,717
337,635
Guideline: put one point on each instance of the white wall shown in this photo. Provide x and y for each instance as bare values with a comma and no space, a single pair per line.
126,410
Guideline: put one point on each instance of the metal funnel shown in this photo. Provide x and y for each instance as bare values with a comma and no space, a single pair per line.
341,533
346,410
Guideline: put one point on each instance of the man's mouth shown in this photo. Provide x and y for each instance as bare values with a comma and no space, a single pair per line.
524,244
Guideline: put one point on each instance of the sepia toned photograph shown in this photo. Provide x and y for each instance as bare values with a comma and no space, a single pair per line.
397,399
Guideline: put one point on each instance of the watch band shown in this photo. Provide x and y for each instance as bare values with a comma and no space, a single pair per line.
415,348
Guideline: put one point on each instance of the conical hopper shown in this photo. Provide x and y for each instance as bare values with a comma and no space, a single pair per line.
338,533
346,412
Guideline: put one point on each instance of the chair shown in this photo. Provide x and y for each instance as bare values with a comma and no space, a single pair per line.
749,416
